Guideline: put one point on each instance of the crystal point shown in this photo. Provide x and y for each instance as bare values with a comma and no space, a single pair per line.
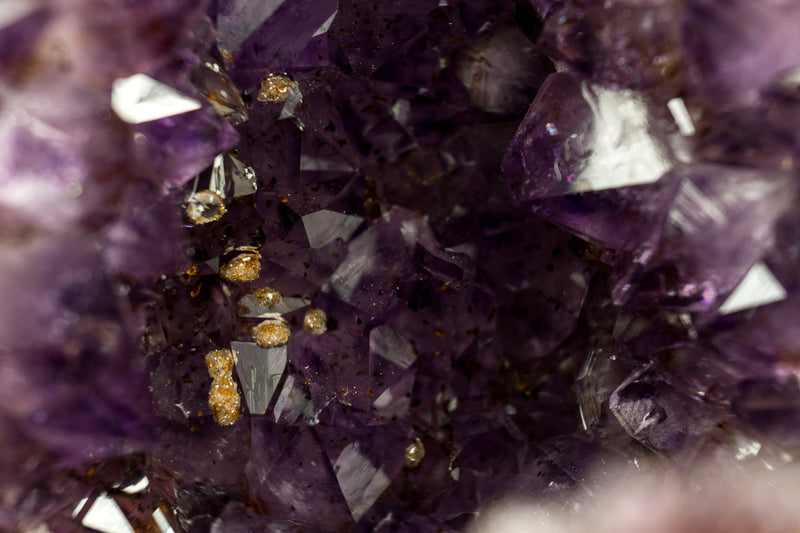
140,98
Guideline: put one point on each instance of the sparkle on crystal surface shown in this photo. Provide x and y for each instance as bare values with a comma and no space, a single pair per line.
759,287
272,332
267,297
140,98
415,452
625,154
105,515
275,89
242,268
205,206
315,321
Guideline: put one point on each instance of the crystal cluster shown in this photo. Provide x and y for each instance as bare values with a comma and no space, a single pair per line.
449,254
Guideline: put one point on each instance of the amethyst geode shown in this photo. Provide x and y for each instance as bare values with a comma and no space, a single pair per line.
507,241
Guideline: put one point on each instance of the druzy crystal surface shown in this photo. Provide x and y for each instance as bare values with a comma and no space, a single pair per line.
319,266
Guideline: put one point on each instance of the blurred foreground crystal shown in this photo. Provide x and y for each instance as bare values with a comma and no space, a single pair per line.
140,99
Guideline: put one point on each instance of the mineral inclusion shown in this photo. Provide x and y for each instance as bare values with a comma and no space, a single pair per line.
492,253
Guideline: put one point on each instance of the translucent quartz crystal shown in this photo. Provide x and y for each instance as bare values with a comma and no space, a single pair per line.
218,87
737,50
587,158
718,225
140,99
579,137
323,227
227,177
628,43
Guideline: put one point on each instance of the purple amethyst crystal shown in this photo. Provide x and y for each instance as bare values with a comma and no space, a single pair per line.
736,50
363,266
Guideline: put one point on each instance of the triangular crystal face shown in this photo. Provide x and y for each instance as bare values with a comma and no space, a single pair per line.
325,25
105,515
241,176
360,480
391,357
260,370
293,403
290,474
242,19
759,287
323,227
140,98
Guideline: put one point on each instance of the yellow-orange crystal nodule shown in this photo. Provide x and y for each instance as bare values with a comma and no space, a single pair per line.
219,363
223,398
242,268
273,332
415,452
275,89
316,321
267,297
224,401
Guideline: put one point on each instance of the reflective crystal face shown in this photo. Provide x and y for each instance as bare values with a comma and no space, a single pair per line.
142,99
